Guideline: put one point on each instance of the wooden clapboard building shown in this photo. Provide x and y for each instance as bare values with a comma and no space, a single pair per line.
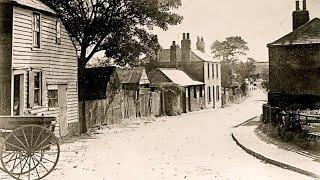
38,64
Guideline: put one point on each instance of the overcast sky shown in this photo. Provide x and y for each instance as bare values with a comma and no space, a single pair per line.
258,21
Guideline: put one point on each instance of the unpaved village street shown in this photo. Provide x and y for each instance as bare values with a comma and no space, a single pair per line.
192,146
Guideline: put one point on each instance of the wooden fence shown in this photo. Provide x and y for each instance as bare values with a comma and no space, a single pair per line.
124,105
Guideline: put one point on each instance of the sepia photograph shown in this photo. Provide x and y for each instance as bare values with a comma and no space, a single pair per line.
159,89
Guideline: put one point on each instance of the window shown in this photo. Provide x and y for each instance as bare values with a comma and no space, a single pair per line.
36,30
218,93
212,71
213,94
209,94
200,92
58,29
137,95
217,66
208,71
53,98
37,89
195,91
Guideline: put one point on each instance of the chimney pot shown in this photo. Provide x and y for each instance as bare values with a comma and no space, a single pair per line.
297,5
184,35
300,17
304,5
174,43
188,35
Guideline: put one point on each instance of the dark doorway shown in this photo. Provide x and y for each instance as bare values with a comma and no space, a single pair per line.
18,100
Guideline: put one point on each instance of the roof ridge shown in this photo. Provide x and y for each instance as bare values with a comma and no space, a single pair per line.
294,31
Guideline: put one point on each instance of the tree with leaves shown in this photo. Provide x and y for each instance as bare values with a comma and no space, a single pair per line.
246,70
229,51
119,28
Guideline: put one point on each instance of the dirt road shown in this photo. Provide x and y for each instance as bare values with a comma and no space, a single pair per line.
192,146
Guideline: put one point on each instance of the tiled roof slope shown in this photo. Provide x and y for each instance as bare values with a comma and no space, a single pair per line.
165,56
203,56
130,76
35,4
309,33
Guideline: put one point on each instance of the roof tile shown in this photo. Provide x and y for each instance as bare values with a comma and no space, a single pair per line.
309,33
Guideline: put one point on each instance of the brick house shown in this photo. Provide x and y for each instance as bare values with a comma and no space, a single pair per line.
295,64
38,65
197,65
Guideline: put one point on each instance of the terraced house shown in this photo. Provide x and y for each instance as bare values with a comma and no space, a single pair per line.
197,65
38,65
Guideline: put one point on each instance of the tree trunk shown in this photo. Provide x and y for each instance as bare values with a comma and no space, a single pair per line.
82,92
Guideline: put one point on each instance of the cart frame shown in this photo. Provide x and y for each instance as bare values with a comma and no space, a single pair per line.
29,149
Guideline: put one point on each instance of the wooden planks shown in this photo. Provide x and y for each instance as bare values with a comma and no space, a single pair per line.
59,61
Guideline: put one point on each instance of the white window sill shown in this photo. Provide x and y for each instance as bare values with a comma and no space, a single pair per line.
36,49
37,107
53,108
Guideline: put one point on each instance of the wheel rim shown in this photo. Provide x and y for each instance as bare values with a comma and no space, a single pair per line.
31,152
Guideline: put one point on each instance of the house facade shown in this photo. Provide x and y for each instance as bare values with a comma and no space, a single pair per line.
196,64
38,65
295,64
192,97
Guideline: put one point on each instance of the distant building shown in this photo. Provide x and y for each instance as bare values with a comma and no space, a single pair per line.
261,67
295,64
38,65
197,65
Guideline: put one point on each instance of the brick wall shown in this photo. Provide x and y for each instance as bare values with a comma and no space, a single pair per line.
294,72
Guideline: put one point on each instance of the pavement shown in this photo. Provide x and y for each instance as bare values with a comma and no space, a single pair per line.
246,138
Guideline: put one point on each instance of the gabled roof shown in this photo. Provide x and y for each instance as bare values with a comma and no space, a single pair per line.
179,77
203,56
165,56
132,76
34,4
308,33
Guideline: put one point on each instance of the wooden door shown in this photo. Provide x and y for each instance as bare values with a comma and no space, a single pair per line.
63,110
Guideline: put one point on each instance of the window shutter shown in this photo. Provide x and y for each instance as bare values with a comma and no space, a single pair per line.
43,88
31,89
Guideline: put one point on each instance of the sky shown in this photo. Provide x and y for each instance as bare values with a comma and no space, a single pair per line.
259,22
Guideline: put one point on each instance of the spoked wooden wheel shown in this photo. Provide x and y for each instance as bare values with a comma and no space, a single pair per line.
31,152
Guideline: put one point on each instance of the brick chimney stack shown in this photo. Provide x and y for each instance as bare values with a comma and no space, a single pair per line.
186,48
201,46
173,53
300,17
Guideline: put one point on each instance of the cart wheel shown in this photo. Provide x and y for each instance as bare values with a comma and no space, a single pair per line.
31,152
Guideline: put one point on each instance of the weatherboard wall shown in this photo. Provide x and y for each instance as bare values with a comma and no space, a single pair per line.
58,61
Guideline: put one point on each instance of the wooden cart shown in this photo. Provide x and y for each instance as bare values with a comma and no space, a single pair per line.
29,148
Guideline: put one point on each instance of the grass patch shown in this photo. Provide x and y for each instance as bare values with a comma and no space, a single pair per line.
288,139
